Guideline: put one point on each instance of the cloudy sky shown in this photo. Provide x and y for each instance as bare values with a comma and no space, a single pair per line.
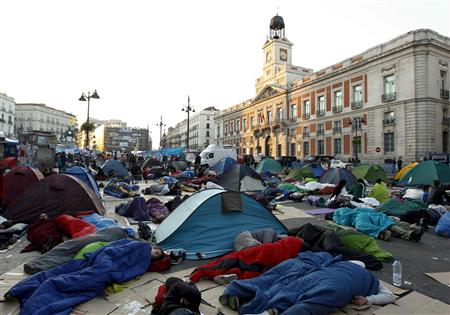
145,57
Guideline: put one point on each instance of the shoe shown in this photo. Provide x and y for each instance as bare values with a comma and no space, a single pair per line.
144,231
224,279
416,235
233,303
223,299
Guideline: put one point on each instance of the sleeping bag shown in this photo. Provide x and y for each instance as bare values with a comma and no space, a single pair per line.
136,209
312,284
250,262
443,226
43,235
101,222
74,227
157,210
58,290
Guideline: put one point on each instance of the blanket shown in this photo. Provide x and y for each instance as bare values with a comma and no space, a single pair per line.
58,290
65,251
250,262
318,238
101,222
43,235
364,220
311,284
9,236
74,227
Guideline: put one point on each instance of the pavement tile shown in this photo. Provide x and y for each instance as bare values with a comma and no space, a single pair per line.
97,305
146,278
9,308
149,290
212,297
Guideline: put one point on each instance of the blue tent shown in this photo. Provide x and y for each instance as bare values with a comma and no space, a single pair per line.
224,164
206,223
115,166
316,169
84,175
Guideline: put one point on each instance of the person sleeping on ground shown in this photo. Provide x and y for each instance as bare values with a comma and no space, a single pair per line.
377,224
58,290
310,284
249,262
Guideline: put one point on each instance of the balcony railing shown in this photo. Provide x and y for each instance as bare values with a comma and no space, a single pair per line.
390,121
2,120
337,109
444,94
306,116
320,112
320,132
305,135
337,130
357,104
10,122
388,97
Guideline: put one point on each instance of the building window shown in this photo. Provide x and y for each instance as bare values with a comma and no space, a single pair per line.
207,125
293,153
445,141
444,90
226,129
279,114
357,144
207,133
389,118
238,125
389,142
337,108
294,112
320,130
269,116
252,121
207,117
389,88
337,147
337,128
320,105
231,127
321,147
244,124
305,132
306,109
357,97
279,150
305,148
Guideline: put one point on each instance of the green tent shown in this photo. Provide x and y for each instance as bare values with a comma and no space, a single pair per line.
425,173
298,174
269,165
370,173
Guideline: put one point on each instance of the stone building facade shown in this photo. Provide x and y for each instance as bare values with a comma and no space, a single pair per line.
391,100
39,117
7,114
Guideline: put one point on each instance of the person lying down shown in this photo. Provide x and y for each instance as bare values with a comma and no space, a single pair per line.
311,284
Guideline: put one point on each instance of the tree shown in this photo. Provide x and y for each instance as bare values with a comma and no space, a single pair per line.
87,127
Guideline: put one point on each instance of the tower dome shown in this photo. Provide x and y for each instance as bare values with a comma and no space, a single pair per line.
276,27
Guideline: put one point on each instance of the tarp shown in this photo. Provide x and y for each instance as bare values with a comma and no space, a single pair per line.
269,165
397,207
84,175
205,224
425,173
54,195
334,175
112,166
223,165
17,180
370,173
405,170
240,178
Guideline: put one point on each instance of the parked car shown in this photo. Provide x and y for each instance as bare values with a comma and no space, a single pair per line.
338,164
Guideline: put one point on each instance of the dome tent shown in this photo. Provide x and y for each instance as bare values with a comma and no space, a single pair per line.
405,170
54,195
269,165
84,175
223,165
240,178
335,175
425,173
17,181
370,173
206,223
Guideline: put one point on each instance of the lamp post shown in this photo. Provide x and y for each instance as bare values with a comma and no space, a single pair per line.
356,124
83,98
188,108
160,124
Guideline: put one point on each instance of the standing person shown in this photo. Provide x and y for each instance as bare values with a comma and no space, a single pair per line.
399,163
197,162
394,165
63,159
438,194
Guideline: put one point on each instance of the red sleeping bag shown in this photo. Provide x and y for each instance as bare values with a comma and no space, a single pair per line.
74,227
252,261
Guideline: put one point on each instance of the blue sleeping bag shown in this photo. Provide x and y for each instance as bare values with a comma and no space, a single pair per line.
443,226
311,284
365,220
101,222
58,290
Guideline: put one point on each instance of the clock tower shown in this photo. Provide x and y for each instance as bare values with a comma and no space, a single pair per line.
277,56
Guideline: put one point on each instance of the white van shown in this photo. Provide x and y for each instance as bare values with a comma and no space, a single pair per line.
213,153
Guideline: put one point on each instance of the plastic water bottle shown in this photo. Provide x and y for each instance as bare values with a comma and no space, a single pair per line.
397,273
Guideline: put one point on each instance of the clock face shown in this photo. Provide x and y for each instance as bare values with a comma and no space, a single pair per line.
283,54
268,56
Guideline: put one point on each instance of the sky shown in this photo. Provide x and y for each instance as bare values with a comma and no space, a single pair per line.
145,57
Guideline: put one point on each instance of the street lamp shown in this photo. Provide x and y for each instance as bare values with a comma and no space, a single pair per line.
188,109
83,98
160,124
356,124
